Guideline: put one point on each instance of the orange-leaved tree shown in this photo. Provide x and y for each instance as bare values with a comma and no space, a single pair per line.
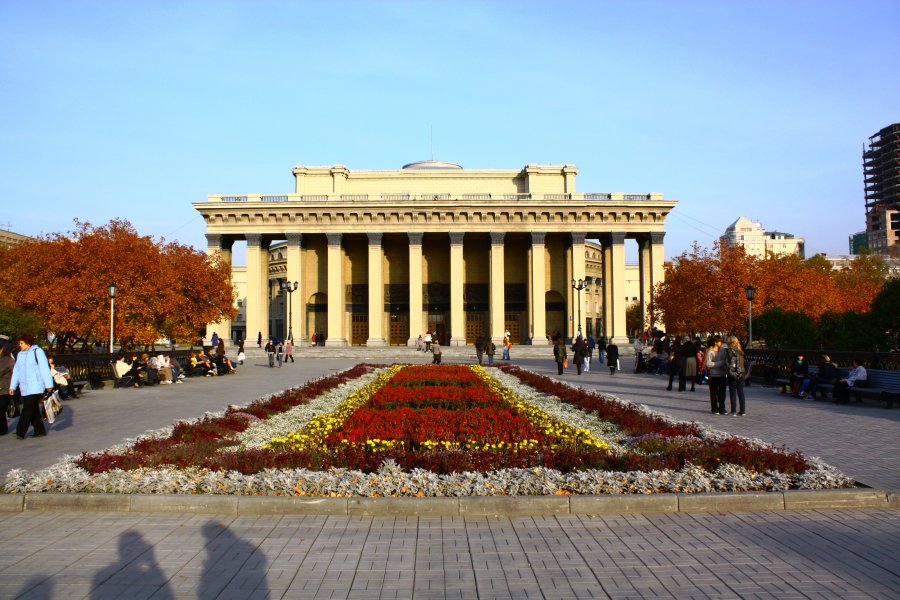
164,289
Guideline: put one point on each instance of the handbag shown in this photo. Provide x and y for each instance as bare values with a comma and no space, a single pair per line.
52,406
565,363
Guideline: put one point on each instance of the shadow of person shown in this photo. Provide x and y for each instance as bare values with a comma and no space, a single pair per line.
38,587
231,563
135,570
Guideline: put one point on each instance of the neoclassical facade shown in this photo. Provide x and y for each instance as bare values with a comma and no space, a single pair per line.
380,257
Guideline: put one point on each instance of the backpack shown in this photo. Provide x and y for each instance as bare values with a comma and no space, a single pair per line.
734,366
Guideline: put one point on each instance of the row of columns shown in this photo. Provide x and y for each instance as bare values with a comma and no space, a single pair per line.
256,310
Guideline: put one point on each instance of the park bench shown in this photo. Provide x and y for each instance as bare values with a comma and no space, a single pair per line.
880,385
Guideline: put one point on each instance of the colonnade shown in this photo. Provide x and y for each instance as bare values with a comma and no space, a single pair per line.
542,263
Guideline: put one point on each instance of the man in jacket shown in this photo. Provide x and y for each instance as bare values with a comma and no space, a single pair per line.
32,376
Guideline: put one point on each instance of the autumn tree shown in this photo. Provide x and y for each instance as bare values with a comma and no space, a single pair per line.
704,290
165,289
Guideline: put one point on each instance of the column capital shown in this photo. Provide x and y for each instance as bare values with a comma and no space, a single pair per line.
456,237
615,238
334,239
254,240
375,238
656,237
578,238
294,240
538,238
497,237
415,238
214,240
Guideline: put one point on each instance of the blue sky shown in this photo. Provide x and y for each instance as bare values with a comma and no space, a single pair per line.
137,109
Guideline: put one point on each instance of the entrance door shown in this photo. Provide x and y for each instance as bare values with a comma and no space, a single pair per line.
436,324
474,326
399,332
514,327
359,330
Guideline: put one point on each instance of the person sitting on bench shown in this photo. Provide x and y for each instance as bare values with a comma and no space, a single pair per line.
857,377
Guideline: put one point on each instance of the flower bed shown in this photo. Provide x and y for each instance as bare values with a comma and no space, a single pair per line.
434,431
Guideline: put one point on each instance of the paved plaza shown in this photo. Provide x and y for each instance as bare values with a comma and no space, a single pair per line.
784,554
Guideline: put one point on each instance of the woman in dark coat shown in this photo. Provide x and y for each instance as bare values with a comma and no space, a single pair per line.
688,368
578,353
612,357
559,354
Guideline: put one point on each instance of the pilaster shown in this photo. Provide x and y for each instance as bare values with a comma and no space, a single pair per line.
617,259
578,274
217,244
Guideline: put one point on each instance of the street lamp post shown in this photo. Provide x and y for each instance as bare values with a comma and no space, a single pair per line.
578,286
112,313
751,292
289,291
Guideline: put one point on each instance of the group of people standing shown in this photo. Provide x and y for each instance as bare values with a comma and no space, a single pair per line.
281,351
583,353
720,362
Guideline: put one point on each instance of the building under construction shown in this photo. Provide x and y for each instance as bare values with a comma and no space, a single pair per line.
881,169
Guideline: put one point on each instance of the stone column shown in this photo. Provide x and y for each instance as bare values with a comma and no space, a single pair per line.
617,284
457,279
538,316
219,245
497,297
335,335
296,314
657,268
257,309
646,280
607,287
578,271
416,326
376,292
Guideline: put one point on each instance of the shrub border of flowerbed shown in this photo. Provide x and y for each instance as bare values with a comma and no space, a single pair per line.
467,506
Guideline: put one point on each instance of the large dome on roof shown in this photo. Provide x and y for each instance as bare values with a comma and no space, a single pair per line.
431,164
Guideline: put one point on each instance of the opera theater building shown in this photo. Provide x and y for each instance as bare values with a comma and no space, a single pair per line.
377,258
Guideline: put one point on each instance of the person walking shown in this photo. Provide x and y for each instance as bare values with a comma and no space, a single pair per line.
240,354
436,352
31,376
736,373
427,341
715,367
490,349
674,356
612,357
279,353
559,355
259,340
601,348
578,353
479,349
270,352
289,350
506,346
590,345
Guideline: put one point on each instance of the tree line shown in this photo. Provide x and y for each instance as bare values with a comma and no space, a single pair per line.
59,283
797,304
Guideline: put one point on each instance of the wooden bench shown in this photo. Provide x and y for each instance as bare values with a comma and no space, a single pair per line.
880,385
